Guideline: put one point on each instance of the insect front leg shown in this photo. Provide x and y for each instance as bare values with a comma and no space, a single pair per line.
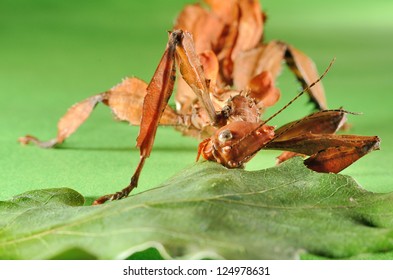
158,93
314,136
193,73
327,122
334,159
180,47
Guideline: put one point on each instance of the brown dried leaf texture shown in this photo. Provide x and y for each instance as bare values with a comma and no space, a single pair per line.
125,100
228,28
233,31
315,136
68,124
249,64
75,116
227,78
233,59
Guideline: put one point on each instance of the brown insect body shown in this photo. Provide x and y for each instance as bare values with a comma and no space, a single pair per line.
227,79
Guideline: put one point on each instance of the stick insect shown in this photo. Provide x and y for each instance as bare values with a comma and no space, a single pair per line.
228,119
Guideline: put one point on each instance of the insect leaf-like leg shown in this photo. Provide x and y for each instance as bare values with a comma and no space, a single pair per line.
126,191
180,47
322,122
313,136
125,100
193,73
68,124
334,159
329,152
158,93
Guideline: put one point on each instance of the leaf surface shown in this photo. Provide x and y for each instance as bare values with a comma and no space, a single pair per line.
207,211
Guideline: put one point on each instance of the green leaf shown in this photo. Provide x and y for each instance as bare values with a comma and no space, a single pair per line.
207,211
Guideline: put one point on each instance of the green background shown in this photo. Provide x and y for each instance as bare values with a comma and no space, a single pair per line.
55,53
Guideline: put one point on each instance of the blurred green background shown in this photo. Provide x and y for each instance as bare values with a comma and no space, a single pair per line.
55,53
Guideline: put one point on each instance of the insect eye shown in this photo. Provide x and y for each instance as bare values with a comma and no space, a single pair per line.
224,135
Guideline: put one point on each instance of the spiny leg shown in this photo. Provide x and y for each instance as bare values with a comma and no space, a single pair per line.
159,90
158,93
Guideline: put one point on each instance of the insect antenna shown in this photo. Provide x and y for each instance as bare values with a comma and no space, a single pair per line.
286,106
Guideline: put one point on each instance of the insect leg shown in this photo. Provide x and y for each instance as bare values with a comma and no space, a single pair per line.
68,124
126,191
192,72
125,100
328,152
334,159
158,93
